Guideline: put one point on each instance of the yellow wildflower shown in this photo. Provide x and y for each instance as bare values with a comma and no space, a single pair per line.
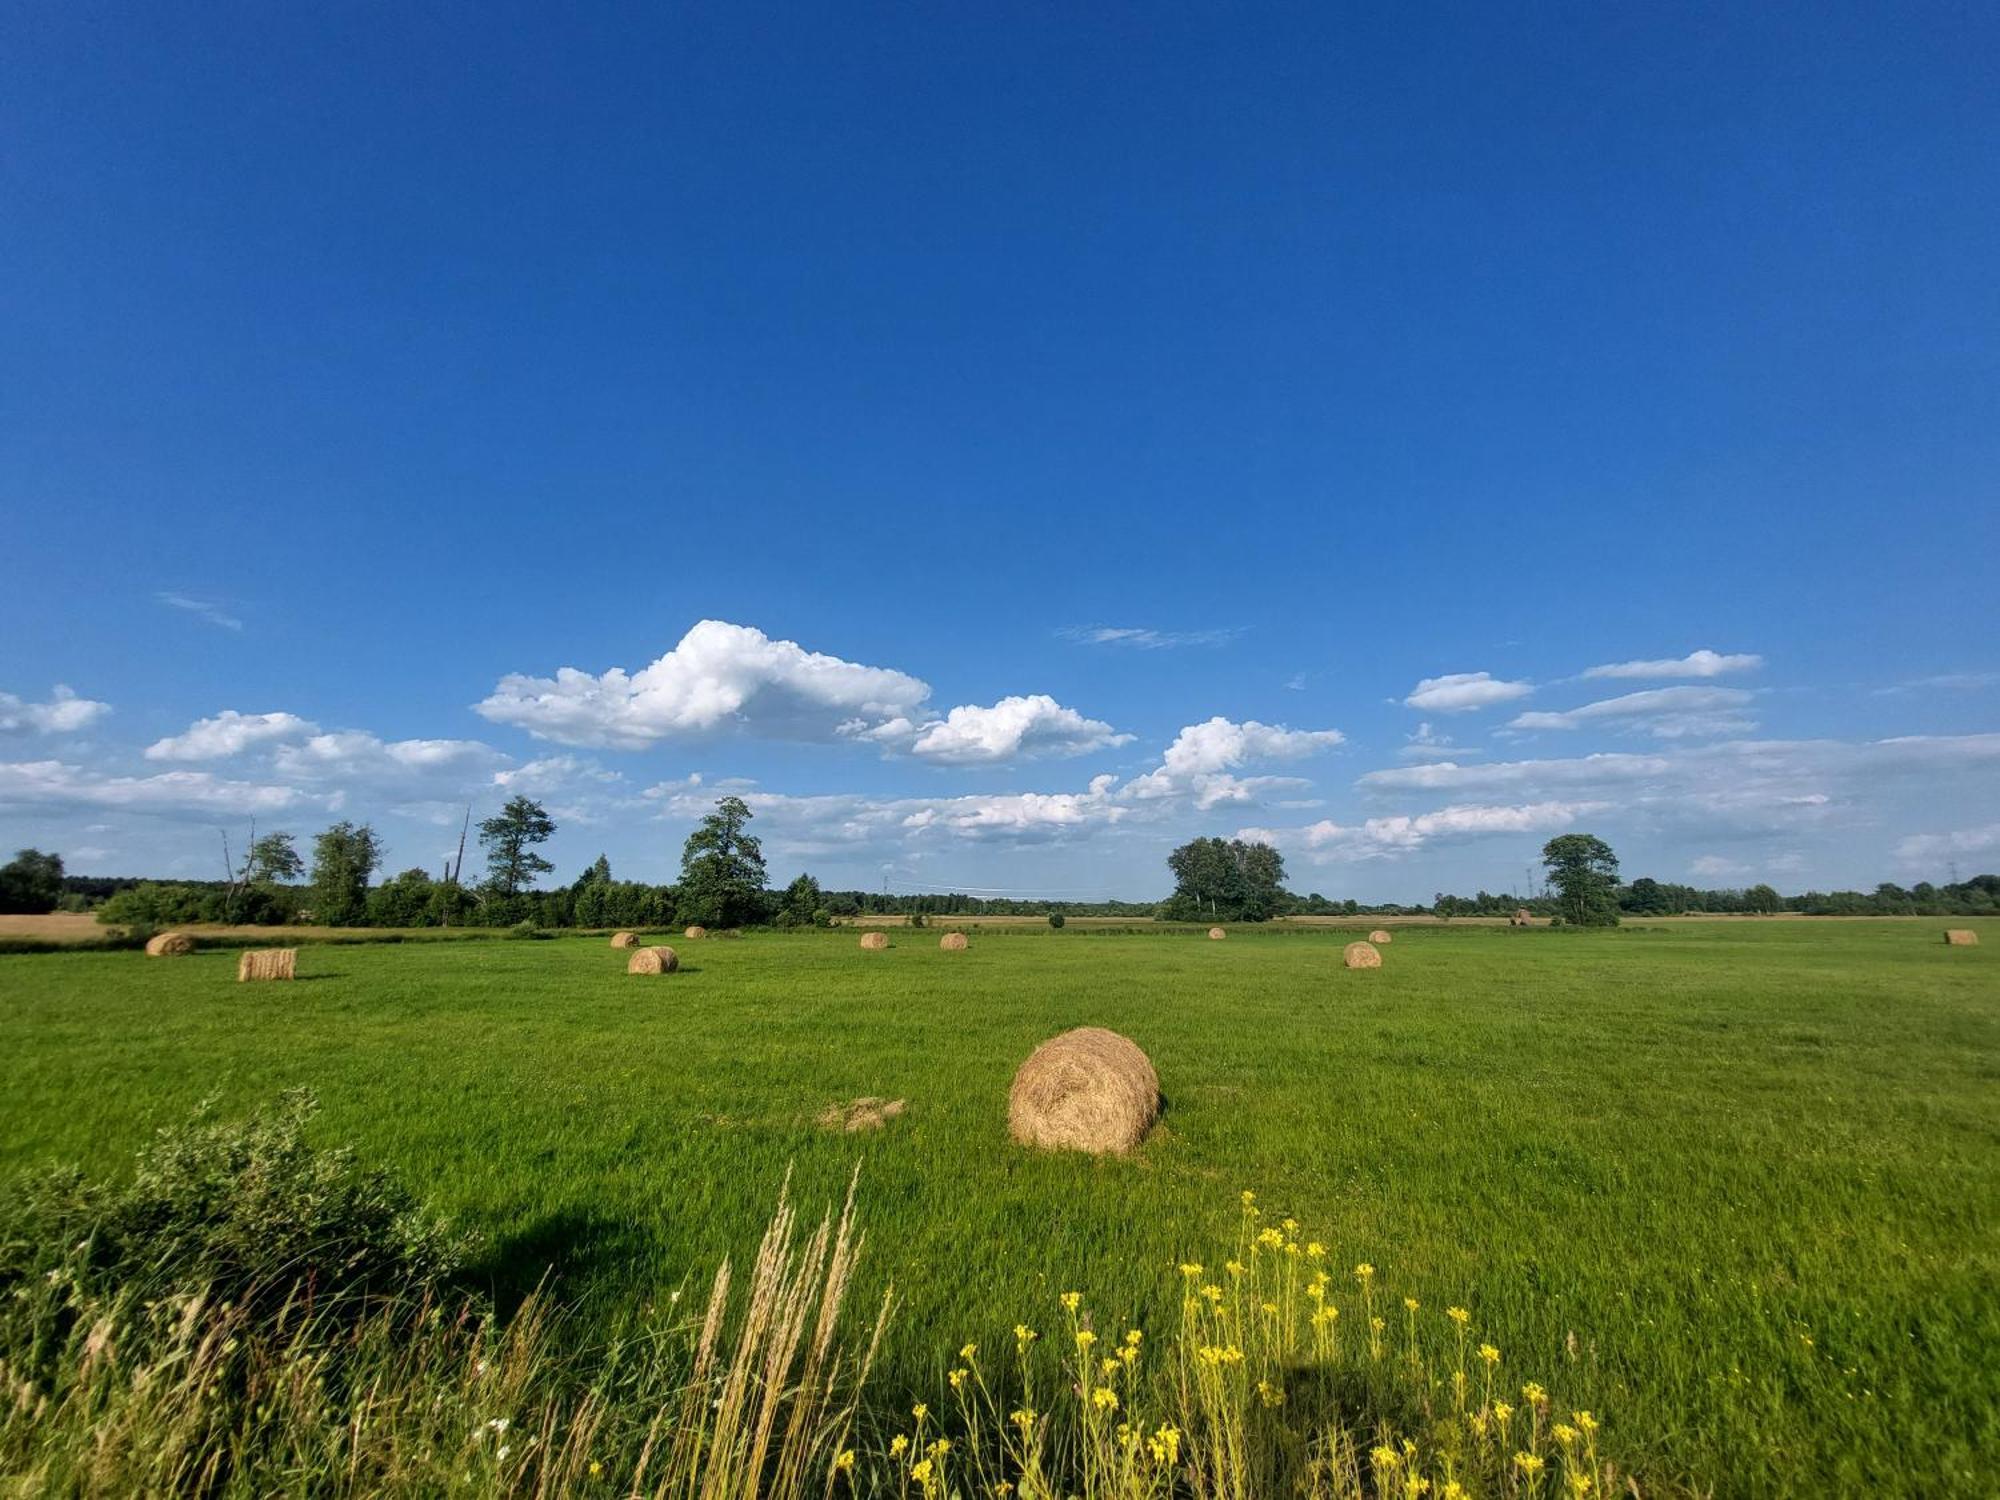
1071,1301
1458,1315
1105,1398
1488,1353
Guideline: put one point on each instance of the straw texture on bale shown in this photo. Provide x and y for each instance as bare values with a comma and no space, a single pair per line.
1961,937
624,939
653,961
267,963
1379,936
1085,1090
695,932
874,942
1520,917
953,942
169,945
1361,956
1216,934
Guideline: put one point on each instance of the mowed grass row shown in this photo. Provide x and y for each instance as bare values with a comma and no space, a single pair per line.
1736,1184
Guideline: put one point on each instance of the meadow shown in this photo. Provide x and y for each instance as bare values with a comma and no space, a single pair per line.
1736,1184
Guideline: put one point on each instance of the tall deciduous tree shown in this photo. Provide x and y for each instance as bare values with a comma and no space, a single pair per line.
510,840
722,869
343,858
1225,880
1584,875
272,860
31,883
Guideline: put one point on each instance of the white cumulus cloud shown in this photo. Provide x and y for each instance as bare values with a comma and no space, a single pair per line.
1034,725
229,733
1936,848
719,676
1703,663
64,713
54,783
1461,692
1405,833
1200,761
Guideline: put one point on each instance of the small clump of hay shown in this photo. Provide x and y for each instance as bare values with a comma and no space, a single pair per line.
1961,937
695,932
653,961
267,963
954,942
1086,1090
624,939
866,1113
1361,956
169,945
1216,934
874,942
1379,936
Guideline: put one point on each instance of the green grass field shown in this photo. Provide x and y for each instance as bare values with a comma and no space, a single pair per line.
1735,1185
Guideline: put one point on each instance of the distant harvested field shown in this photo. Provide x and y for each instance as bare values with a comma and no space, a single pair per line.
82,927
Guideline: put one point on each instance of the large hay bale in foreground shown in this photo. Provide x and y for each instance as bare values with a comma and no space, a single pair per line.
169,945
695,932
624,939
1961,937
653,961
1379,935
954,942
1361,956
267,963
1216,934
874,942
1086,1090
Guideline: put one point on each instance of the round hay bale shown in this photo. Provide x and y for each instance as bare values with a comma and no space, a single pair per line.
1961,937
1216,934
267,963
874,942
695,932
169,945
1379,936
653,961
1086,1090
954,942
1361,956
624,939
1520,917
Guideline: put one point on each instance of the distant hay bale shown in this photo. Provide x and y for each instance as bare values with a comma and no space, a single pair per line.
1520,917
1361,956
653,961
267,963
624,939
1961,937
874,942
1216,934
1379,936
169,945
695,932
1085,1090
954,942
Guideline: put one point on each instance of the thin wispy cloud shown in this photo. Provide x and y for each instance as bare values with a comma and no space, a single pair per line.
201,609
1147,639
1462,692
1944,682
1702,663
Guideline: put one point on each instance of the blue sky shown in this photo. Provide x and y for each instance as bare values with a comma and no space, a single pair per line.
363,368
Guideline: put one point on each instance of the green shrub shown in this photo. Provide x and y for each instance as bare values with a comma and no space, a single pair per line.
247,1213
528,932
1056,920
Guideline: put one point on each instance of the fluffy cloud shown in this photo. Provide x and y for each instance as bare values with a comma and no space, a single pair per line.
229,733
1695,664
1197,765
1461,692
354,754
1381,838
1014,727
64,713
1668,713
719,676
52,783
1428,744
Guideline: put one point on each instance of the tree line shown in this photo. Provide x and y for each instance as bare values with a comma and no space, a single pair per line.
724,884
